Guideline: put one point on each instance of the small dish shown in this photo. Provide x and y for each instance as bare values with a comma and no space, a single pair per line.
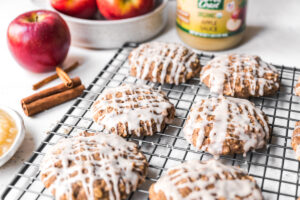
106,34
19,137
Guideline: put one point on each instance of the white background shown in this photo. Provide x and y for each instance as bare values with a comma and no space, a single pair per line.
273,33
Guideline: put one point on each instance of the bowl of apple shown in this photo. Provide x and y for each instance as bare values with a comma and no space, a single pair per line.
105,24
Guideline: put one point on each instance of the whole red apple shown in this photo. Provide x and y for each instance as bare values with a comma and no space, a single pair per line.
39,40
76,8
121,9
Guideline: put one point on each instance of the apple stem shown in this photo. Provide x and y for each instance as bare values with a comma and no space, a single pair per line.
36,18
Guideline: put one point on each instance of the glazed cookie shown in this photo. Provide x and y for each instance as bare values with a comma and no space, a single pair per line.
240,75
226,125
297,88
205,180
93,166
163,63
296,140
133,110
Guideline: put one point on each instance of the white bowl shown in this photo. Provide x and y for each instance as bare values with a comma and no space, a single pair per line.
105,34
19,137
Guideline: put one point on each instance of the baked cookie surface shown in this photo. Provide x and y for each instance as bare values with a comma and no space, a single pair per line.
163,63
226,125
205,180
296,140
133,110
240,75
93,166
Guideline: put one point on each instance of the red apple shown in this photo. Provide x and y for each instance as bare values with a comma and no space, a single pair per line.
76,8
39,40
120,9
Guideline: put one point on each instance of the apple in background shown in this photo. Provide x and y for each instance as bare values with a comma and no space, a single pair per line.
76,8
121,9
39,40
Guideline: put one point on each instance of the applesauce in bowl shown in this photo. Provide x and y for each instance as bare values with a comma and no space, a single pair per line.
12,133
8,132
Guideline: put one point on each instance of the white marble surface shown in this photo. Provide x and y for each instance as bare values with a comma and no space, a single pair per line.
273,33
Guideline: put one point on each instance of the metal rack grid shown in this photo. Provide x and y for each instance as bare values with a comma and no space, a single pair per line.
274,168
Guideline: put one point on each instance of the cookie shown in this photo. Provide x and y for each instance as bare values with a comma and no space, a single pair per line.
205,180
296,140
297,88
226,125
93,166
240,75
163,63
133,110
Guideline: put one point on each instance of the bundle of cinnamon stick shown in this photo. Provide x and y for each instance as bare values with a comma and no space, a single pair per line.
48,98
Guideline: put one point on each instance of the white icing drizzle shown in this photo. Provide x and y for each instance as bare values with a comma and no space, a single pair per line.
229,69
229,114
119,163
135,104
207,180
167,55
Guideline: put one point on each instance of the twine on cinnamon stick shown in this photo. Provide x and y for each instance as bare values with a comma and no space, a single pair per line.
51,97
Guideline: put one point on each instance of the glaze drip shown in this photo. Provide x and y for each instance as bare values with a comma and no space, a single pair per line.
240,75
161,60
207,180
88,158
133,107
212,122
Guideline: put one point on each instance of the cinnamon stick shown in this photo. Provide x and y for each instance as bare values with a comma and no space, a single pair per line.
53,77
51,97
64,77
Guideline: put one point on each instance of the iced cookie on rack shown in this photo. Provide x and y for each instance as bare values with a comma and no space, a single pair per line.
93,166
240,75
296,140
133,110
226,125
205,180
164,63
297,87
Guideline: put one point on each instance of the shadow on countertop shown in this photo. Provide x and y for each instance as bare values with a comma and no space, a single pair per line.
251,32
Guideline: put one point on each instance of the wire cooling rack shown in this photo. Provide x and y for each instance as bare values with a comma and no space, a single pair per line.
274,168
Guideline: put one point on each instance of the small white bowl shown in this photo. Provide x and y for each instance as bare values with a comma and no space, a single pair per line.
19,137
106,34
